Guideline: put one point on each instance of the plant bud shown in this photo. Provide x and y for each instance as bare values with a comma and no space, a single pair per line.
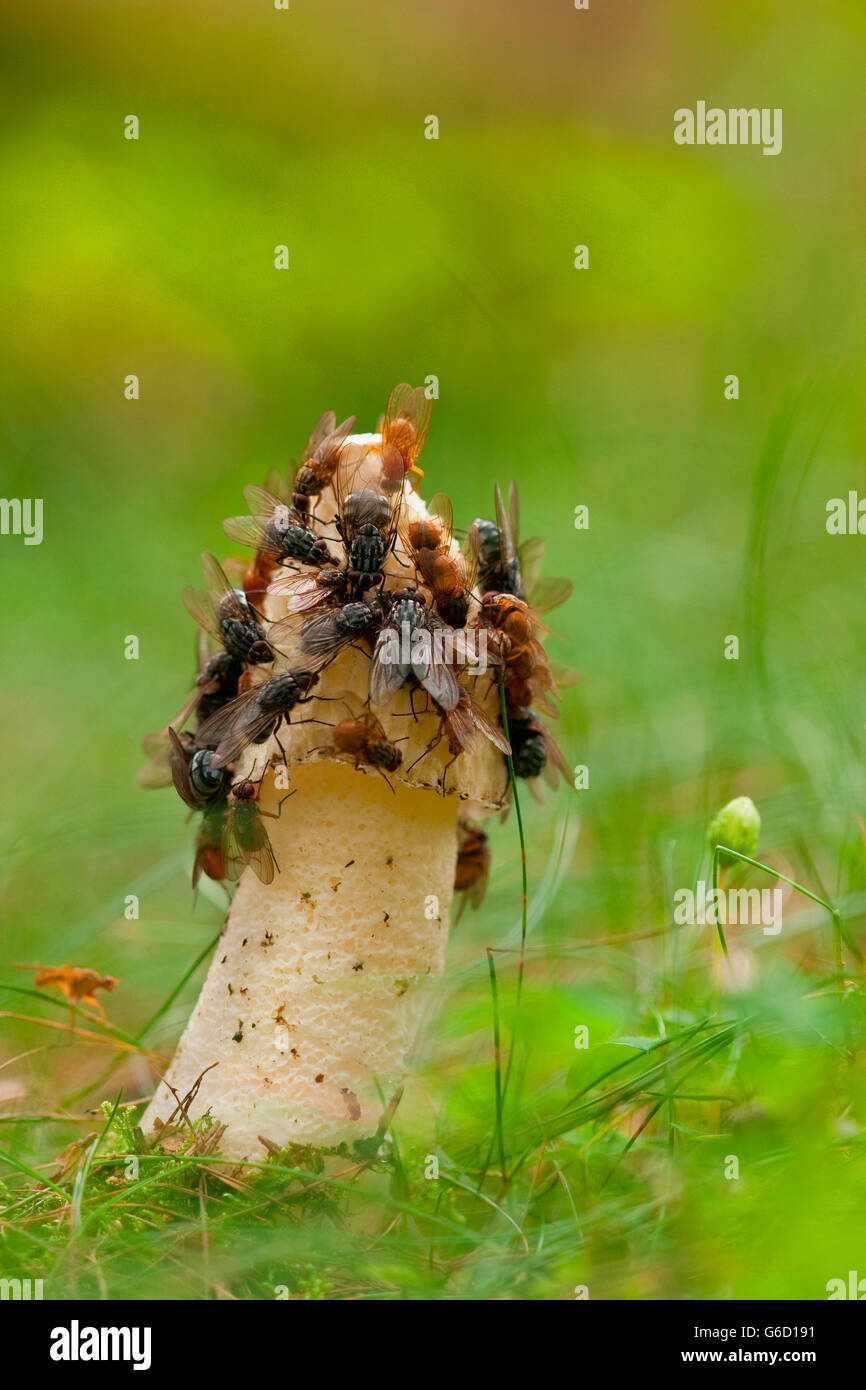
737,826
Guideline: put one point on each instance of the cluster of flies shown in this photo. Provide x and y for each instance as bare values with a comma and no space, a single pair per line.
338,593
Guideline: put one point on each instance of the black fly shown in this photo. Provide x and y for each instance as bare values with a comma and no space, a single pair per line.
255,715
227,614
413,643
277,529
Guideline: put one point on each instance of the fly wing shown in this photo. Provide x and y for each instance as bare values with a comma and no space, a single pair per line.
236,570
260,501
222,588
461,725
216,577
555,755
326,460
203,609
440,682
506,540
434,673
542,701
321,429
202,652
230,729
246,842
285,635
564,676
160,744
476,891
513,514
439,531
246,530
333,441
531,557
472,547
189,705
387,673
277,483
250,530
488,727
155,775
469,555
468,648
407,420
180,770
548,593
302,590
322,640
536,786
156,772
440,506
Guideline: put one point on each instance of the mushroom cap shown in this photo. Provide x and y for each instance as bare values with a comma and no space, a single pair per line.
478,776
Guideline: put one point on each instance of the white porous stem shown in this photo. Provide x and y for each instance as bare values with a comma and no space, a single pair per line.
315,989
313,998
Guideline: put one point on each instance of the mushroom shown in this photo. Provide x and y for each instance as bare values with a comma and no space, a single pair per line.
313,999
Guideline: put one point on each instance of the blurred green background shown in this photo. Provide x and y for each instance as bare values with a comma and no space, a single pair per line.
604,387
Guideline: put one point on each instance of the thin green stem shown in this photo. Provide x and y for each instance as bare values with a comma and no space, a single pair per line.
719,927
497,1059
840,932
523,874
84,1172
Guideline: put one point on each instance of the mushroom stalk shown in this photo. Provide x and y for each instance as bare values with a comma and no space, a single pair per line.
315,992
313,1000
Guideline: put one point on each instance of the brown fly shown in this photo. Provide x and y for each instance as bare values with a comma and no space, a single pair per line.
360,735
450,578
232,837
473,864
77,983
526,673
321,458
460,726
404,429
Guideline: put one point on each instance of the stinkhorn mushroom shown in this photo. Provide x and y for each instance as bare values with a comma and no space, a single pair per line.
367,742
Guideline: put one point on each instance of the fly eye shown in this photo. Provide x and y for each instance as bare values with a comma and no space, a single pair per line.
259,651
